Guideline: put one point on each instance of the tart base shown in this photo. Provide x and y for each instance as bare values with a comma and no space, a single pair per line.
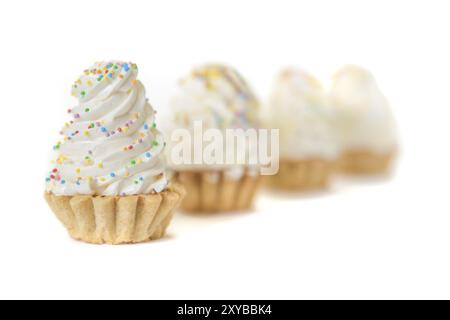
117,219
302,175
365,162
215,191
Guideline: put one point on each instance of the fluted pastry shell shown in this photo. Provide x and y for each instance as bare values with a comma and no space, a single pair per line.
215,191
117,219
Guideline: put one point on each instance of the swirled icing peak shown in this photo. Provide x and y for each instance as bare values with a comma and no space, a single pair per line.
219,96
364,118
298,108
111,146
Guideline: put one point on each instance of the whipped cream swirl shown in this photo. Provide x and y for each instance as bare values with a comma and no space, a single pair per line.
298,108
112,146
363,115
220,98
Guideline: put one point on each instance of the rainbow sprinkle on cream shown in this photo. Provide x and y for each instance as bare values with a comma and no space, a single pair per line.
105,148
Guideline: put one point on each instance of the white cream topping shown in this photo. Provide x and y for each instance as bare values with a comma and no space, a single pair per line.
298,108
112,146
363,115
219,97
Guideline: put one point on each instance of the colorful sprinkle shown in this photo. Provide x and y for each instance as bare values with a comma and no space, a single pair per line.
87,161
61,158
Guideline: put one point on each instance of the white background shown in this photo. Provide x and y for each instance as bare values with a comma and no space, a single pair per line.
363,239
